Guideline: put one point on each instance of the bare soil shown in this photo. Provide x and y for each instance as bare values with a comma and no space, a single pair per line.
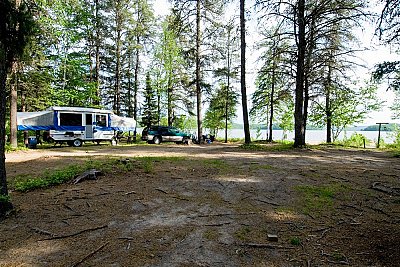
214,206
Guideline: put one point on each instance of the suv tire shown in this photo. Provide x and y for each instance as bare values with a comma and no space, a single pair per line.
157,140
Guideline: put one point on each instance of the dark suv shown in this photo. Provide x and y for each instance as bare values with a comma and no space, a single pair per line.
158,134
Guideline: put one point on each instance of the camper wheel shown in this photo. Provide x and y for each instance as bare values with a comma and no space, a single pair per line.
77,143
114,141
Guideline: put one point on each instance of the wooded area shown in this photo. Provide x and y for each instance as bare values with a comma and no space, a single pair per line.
119,55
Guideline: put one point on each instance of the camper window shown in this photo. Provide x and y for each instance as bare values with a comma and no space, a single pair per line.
70,119
101,120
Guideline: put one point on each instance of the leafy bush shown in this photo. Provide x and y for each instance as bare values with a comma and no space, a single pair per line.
355,140
396,139
5,199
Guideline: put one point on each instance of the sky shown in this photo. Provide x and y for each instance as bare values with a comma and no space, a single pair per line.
374,54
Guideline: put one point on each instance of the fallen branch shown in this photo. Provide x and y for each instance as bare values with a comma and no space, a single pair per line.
339,262
91,174
43,232
159,189
90,254
217,224
131,192
75,234
385,189
267,202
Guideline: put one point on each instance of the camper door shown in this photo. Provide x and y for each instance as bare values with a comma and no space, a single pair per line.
89,126
101,129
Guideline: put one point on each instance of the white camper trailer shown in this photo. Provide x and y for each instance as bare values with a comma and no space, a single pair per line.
75,125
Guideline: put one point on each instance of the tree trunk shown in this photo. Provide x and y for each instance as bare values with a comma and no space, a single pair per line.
117,104
136,85
227,90
271,117
97,101
13,105
3,78
129,88
24,109
328,107
243,73
299,134
169,101
198,76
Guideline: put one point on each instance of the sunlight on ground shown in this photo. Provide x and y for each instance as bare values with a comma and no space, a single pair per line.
238,179
282,215
31,251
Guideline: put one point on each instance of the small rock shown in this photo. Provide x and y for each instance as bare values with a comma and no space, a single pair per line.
272,237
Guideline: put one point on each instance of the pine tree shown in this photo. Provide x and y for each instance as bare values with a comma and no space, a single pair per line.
149,113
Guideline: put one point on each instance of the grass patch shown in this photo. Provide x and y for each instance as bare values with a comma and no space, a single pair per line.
275,146
256,166
211,235
105,165
20,147
56,177
49,178
222,166
319,198
295,241
243,234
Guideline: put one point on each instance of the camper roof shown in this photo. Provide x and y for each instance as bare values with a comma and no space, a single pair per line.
79,109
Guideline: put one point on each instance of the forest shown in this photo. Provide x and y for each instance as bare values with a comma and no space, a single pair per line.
188,68
196,64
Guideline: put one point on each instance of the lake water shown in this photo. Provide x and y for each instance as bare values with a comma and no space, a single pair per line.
312,136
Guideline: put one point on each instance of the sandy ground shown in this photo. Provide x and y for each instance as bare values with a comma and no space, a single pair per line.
215,205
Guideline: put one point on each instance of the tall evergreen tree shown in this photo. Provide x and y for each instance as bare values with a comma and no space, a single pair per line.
149,115
308,23
197,24
227,48
222,109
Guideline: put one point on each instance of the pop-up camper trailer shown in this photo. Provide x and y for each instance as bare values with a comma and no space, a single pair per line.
75,125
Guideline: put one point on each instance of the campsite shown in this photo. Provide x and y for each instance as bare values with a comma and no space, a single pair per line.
205,205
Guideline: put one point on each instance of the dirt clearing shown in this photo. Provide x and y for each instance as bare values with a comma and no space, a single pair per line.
212,205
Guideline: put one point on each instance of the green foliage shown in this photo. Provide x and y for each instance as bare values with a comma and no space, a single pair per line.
272,97
49,178
220,165
276,146
348,105
355,140
149,114
5,199
185,123
295,241
388,71
319,198
147,164
395,108
243,234
396,139
222,107
9,148
211,234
